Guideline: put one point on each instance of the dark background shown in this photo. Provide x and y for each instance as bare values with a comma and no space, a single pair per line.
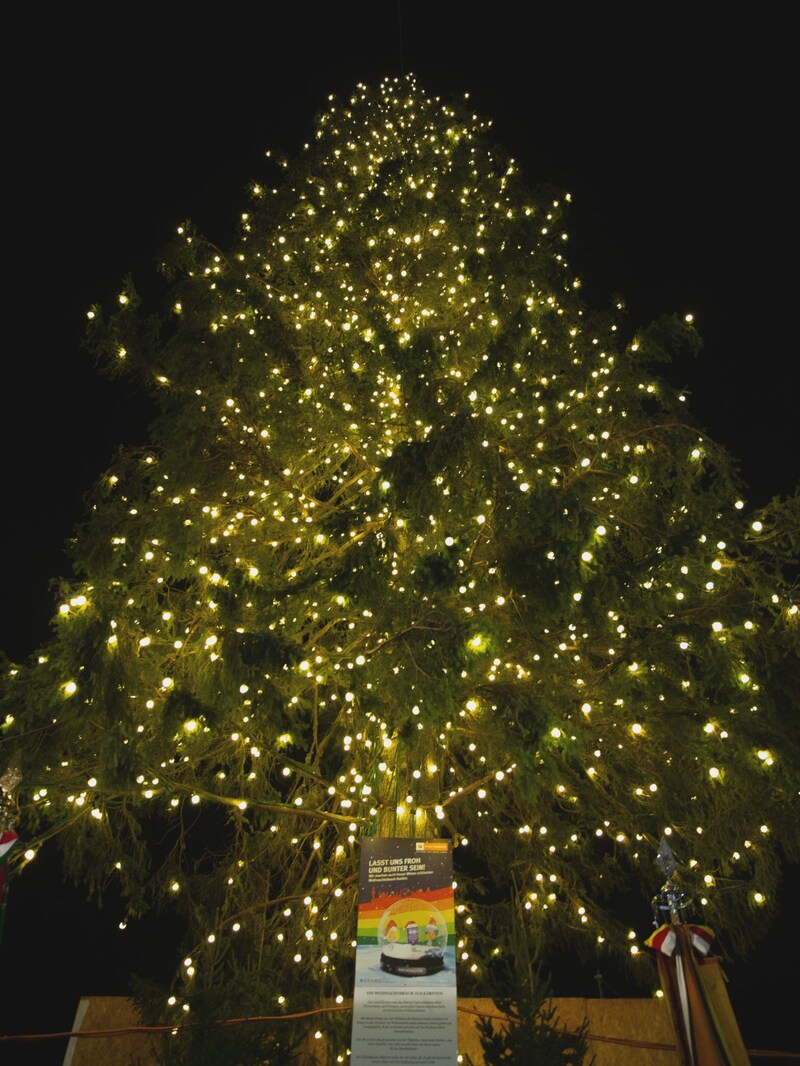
674,137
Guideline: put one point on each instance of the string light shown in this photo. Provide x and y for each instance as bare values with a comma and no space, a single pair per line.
423,549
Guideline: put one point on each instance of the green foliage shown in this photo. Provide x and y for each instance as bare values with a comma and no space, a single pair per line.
533,1032
423,545
217,1037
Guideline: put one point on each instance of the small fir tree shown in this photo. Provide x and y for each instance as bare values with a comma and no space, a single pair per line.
422,545
531,1030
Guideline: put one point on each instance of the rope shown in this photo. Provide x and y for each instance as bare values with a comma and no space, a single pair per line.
144,1030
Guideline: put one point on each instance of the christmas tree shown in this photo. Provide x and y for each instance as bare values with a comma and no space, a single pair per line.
422,546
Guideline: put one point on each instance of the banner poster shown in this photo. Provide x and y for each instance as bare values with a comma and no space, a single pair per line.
404,1002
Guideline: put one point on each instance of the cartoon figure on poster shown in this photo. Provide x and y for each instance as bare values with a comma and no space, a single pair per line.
402,953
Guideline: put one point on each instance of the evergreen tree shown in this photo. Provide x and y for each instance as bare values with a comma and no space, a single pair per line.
532,1032
422,545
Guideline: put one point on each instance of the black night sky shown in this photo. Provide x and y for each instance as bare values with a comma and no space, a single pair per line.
673,137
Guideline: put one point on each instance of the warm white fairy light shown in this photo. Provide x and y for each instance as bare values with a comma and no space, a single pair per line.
314,487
